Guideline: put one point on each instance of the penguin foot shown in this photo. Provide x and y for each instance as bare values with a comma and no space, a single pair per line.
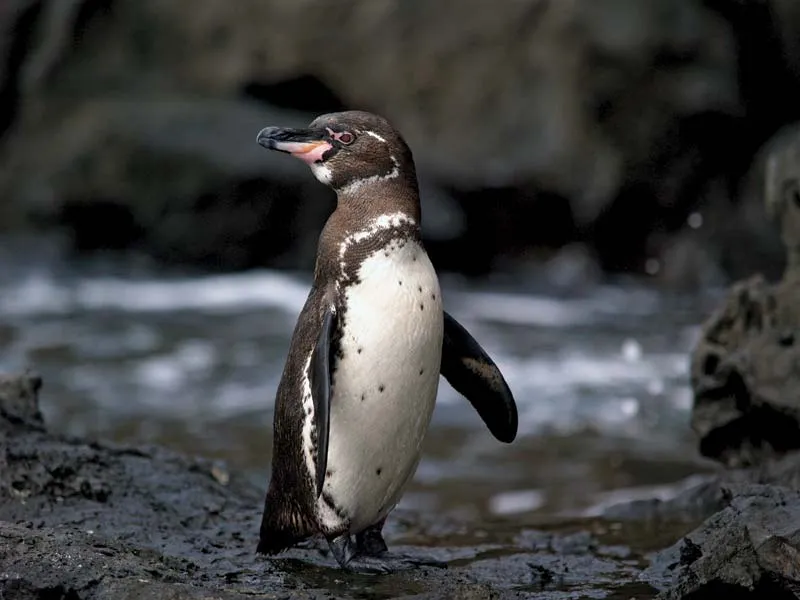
346,554
343,549
371,555
388,562
370,564
370,542
407,561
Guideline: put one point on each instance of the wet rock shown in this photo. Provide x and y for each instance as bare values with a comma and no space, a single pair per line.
701,496
698,501
746,366
93,520
750,549
744,534
19,401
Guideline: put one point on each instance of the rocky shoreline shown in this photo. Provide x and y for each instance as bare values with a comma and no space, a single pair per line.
84,519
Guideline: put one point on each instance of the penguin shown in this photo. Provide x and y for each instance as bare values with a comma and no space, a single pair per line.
360,380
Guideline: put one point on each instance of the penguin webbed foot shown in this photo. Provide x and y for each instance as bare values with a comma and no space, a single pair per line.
389,562
343,549
370,542
370,555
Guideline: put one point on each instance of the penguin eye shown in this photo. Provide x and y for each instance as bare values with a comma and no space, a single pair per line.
345,137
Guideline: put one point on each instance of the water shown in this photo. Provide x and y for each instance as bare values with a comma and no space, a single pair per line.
193,361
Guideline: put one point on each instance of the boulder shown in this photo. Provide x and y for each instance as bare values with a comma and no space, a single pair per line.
743,538
745,369
750,549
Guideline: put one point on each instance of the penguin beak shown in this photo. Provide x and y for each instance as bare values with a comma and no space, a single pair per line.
306,144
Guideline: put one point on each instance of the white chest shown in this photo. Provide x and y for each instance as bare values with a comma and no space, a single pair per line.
384,386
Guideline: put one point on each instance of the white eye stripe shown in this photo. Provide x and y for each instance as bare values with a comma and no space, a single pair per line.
375,135
354,186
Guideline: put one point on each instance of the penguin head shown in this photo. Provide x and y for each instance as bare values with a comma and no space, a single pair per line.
346,150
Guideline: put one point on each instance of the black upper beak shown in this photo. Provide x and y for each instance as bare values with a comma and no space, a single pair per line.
286,139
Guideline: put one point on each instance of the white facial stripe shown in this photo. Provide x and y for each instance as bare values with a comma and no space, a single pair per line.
375,135
322,173
359,183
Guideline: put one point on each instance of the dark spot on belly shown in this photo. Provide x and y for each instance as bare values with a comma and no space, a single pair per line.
363,396
329,473
359,350
378,471
415,259
421,371
399,282
421,306
433,296
381,387
386,254
328,499
419,288
308,411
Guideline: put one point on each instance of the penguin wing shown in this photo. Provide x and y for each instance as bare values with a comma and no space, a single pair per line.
467,367
320,376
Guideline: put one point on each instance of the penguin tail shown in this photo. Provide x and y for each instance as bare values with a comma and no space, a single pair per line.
281,529
276,541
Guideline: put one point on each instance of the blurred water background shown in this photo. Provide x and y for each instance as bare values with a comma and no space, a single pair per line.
192,361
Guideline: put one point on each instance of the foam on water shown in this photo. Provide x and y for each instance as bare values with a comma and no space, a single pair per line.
529,309
215,345
42,294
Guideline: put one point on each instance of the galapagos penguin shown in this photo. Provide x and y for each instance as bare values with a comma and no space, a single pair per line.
359,384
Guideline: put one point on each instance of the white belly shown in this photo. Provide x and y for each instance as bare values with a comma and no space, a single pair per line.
384,388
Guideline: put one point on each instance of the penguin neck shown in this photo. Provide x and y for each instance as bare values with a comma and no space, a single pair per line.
372,199
359,217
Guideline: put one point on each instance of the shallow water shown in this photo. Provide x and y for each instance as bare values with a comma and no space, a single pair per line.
192,362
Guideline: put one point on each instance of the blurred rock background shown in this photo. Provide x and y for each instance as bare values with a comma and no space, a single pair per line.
624,134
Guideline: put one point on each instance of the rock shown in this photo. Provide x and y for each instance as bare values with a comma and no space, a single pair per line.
746,232
692,505
745,534
743,537
701,496
93,520
15,15
153,132
787,18
750,549
746,365
19,400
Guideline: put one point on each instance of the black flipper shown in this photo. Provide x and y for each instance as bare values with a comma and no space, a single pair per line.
467,367
320,375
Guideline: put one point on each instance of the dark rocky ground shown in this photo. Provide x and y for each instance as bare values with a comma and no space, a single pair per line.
601,123
84,519
81,519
